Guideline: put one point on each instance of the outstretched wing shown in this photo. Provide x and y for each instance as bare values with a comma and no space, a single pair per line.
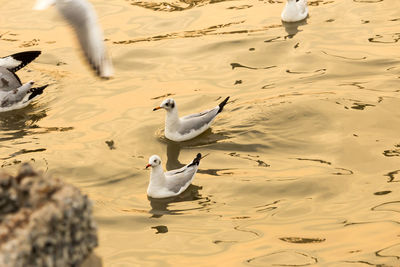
17,61
82,17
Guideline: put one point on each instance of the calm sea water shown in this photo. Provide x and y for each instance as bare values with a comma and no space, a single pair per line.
304,163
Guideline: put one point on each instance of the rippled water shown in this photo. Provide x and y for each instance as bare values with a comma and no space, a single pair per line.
304,164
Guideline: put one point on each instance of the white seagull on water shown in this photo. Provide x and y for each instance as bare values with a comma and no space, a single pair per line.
14,94
172,183
188,127
295,10
82,17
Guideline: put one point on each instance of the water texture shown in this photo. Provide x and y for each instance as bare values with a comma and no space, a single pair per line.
304,161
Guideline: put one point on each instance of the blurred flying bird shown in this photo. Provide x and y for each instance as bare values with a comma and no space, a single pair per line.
82,17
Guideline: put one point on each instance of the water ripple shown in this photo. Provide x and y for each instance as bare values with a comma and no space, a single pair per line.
284,258
179,5
212,30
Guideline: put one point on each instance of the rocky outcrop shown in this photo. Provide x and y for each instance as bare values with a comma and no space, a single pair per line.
43,221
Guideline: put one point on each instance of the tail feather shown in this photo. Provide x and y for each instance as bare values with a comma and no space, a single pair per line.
196,160
23,58
36,91
222,104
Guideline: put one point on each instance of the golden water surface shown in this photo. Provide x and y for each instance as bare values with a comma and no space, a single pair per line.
304,164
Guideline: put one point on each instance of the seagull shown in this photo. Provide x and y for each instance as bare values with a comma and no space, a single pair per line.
295,10
14,94
172,183
82,17
188,127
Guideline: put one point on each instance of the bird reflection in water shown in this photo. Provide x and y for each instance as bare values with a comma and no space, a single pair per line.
173,151
174,148
18,123
160,206
292,27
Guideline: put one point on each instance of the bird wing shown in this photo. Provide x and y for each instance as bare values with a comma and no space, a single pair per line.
82,17
180,179
16,95
303,6
197,120
17,61
8,80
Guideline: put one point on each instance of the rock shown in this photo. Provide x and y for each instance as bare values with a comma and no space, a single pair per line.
43,221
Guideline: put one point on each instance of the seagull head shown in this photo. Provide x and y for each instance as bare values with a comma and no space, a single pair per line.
153,161
167,104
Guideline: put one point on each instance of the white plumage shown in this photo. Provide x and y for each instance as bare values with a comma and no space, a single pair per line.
172,183
14,94
82,17
188,127
295,10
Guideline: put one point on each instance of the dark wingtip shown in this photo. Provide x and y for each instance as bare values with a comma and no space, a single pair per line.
25,58
222,104
37,91
196,160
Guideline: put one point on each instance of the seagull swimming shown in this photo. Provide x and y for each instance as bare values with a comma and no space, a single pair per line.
188,127
172,183
295,10
82,17
14,94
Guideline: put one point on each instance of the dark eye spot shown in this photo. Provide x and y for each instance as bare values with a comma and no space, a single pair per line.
167,104
172,105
